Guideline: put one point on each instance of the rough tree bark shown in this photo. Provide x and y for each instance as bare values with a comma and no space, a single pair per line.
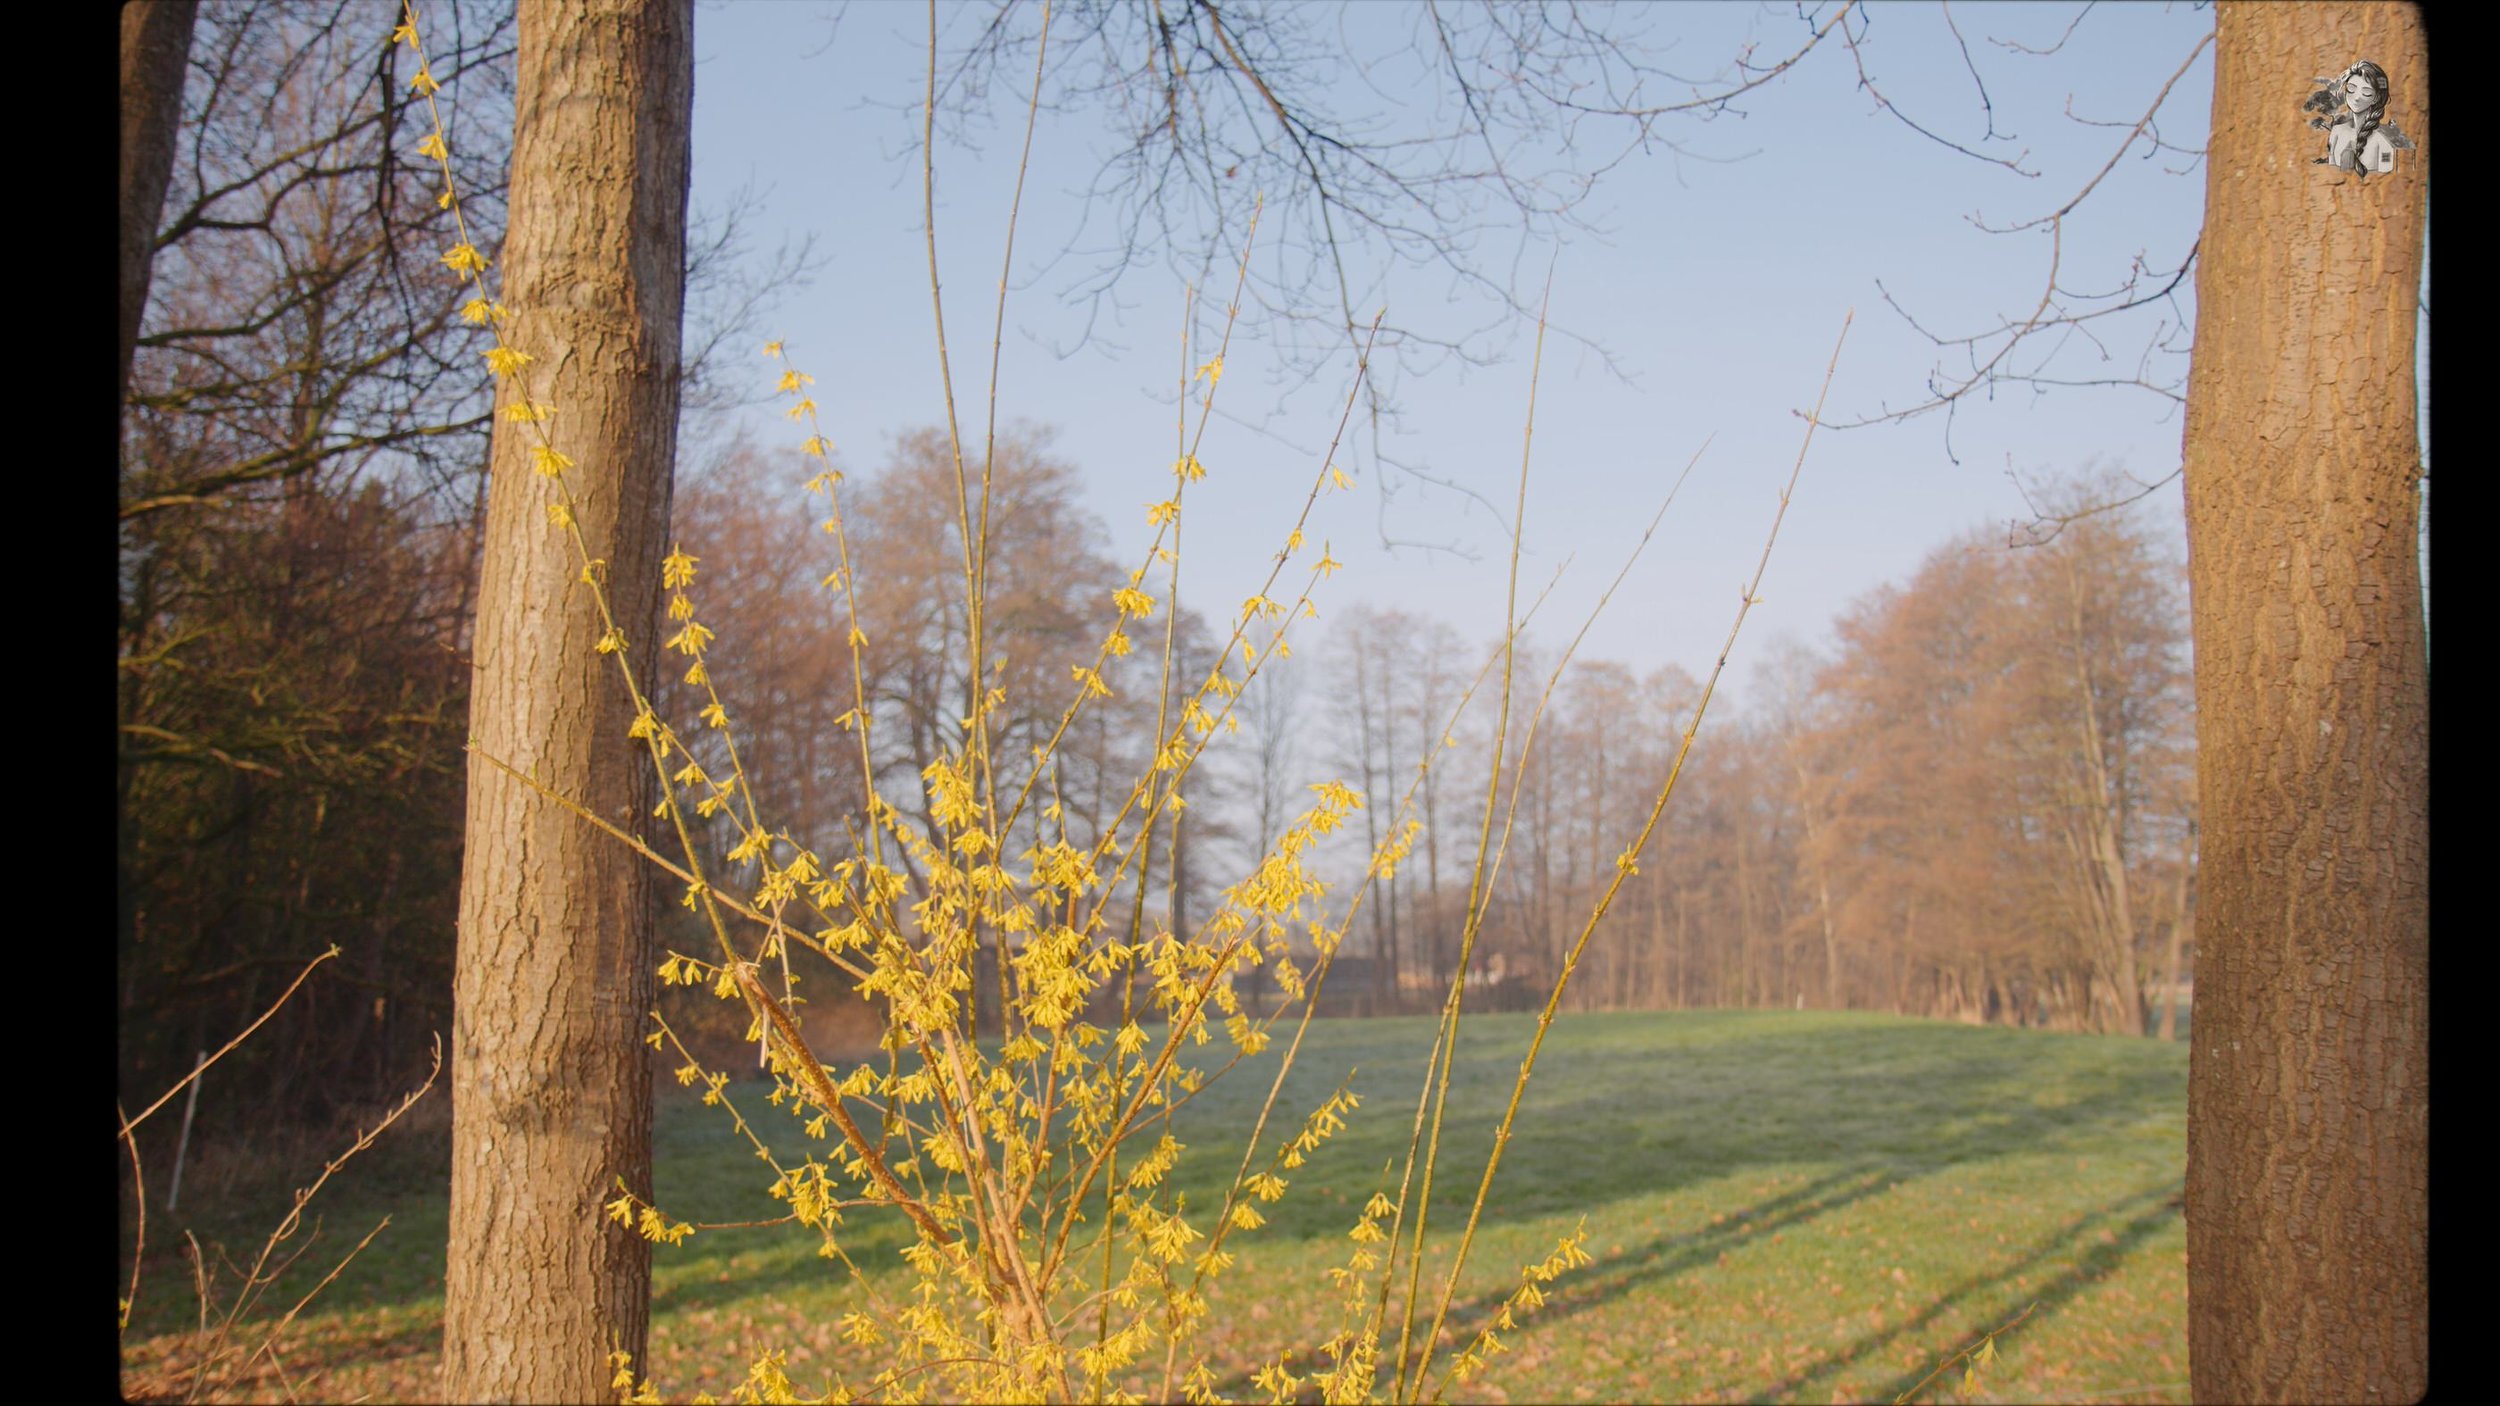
2307,1195
156,39
551,1090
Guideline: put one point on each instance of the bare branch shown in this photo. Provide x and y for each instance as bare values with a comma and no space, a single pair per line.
1992,353
1867,81
1215,104
2061,39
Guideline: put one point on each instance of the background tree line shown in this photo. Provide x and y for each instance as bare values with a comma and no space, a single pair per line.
1976,804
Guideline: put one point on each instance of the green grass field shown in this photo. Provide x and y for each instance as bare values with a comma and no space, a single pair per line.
1782,1206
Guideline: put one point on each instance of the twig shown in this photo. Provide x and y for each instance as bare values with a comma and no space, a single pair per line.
139,1189
1626,865
230,1044
1985,1346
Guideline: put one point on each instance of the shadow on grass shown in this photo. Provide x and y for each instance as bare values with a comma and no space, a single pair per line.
1669,1256
2121,1226
1622,1106
1626,1105
1662,1257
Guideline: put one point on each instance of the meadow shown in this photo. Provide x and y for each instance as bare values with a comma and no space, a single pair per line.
1795,1206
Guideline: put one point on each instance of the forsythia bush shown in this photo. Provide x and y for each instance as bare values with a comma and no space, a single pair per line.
1048,1259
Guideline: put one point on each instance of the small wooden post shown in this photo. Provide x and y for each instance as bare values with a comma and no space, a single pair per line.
182,1145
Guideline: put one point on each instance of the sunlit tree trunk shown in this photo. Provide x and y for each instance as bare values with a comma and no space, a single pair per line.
1808,806
551,1090
2308,1174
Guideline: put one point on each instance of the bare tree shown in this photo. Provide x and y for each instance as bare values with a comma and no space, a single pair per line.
1221,109
2111,701
1272,703
299,325
1440,664
1368,647
765,564
1050,578
2073,315
1983,772
1796,714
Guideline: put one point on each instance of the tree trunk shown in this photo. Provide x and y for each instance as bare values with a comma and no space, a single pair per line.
2307,1194
1744,916
1683,952
2178,937
156,41
2109,910
551,1092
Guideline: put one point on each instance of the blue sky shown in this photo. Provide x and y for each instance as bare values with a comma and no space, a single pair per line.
1717,282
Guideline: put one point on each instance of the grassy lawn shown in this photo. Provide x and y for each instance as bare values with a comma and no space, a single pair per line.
1782,1206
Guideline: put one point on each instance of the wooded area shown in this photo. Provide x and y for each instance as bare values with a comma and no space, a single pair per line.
300,505
1977,807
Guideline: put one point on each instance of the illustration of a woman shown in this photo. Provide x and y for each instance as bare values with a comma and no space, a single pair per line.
2359,138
